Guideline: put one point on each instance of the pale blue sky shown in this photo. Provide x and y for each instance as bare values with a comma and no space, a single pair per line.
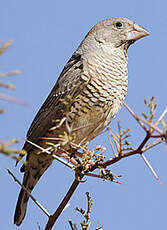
45,34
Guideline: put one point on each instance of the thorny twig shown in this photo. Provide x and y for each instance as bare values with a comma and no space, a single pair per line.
123,150
129,151
65,162
85,224
86,214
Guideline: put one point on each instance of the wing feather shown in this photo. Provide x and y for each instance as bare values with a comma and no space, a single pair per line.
68,83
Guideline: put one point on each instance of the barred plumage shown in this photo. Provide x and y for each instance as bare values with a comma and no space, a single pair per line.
94,83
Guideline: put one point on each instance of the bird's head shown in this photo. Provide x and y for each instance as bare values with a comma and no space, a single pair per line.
115,32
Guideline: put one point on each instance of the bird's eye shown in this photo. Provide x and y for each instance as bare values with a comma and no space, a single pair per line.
119,25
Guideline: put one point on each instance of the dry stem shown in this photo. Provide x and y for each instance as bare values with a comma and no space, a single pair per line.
29,194
54,217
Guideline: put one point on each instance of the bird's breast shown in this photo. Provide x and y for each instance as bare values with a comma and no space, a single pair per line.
108,76
101,98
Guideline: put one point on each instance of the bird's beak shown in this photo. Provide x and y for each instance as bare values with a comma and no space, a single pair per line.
137,33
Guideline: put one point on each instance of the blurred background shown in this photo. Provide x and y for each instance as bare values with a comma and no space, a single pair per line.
45,34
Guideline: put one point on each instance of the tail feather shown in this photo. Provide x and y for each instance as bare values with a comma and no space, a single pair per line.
29,182
34,170
21,207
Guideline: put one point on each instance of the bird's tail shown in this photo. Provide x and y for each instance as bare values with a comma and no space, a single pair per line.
31,177
21,207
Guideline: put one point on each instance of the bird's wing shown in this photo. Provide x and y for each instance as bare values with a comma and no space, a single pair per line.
68,83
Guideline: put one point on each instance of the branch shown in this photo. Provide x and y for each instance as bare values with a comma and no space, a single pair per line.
48,152
86,214
54,217
90,160
140,120
29,194
9,74
8,86
11,99
5,46
73,226
135,116
4,149
139,150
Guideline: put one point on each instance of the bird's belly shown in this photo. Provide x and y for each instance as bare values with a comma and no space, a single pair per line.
94,109
89,121
88,125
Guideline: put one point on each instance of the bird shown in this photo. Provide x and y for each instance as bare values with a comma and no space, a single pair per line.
86,97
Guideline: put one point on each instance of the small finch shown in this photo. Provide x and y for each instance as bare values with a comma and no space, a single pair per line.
86,97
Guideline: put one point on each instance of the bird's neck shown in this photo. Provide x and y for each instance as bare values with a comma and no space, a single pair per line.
107,61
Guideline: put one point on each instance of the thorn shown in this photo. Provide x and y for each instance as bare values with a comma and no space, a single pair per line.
59,125
112,147
151,168
117,182
135,116
160,118
67,205
39,227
